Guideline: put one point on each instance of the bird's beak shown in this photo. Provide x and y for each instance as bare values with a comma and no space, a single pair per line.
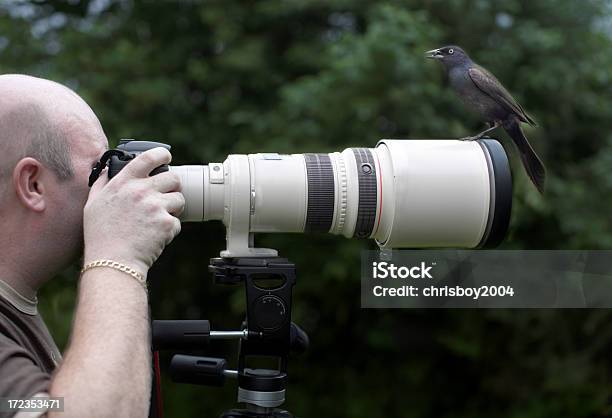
434,53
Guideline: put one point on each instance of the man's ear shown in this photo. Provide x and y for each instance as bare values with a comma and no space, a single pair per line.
28,185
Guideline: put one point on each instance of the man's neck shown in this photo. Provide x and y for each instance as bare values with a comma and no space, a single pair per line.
22,263
18,268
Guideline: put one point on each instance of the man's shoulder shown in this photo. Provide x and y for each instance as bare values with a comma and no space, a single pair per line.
30,334
10,347
20,374
22,371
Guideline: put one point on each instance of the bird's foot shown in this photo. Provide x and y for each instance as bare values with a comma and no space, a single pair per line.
470,138
482,134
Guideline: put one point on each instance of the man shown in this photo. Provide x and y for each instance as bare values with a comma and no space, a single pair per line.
50,140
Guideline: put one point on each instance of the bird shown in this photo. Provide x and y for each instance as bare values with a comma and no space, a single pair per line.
481,92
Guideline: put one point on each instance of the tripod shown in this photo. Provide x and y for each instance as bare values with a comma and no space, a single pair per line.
266,332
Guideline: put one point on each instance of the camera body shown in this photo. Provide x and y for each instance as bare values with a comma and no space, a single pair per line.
131,149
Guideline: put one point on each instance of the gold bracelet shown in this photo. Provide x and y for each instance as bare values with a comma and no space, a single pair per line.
140,278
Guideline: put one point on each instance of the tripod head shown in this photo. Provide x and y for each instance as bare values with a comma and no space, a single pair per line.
266,332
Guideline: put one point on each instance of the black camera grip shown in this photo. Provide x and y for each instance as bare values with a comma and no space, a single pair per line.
119,157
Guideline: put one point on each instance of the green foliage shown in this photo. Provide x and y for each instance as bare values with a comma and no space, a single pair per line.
219,77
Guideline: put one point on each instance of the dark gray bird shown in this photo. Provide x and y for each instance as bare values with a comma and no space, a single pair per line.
483,93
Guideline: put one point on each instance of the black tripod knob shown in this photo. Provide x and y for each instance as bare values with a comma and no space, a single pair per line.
180,335
196,370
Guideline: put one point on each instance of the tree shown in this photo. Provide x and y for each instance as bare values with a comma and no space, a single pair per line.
213,78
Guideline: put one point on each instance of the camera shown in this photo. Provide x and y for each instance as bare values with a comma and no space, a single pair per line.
401,193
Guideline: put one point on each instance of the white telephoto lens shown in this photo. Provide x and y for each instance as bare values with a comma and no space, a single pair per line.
402,193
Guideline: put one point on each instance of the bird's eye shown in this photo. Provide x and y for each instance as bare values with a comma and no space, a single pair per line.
450,51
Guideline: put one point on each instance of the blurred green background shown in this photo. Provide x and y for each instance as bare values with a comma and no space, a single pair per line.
218,77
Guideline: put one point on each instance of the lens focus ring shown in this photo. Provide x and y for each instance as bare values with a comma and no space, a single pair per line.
368,193
320,177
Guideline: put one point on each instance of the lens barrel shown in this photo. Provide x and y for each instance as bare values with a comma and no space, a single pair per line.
402,193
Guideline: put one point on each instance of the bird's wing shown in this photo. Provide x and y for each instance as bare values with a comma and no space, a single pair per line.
489,85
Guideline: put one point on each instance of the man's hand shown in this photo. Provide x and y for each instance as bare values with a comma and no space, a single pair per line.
129,219
132,217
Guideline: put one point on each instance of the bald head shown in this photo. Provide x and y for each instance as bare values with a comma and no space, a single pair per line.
49,141
42,119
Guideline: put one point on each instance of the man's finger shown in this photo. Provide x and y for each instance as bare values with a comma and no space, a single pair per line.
143,164
166,182
174,203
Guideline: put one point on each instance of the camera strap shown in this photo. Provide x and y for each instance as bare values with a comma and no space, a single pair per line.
101,165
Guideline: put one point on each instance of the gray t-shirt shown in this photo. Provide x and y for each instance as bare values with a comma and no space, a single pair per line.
28,354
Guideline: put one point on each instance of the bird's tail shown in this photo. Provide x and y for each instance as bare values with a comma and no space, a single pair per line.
533,165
